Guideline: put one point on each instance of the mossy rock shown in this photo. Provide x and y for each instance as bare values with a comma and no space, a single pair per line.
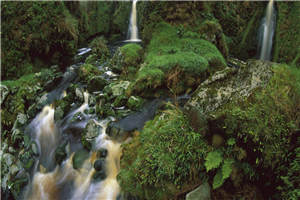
79,158
169,155
212,31
133,54
87,72
100,49
171,56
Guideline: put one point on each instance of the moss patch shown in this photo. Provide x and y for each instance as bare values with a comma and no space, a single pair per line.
169,155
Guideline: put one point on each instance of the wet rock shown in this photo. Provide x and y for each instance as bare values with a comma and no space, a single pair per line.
102,153
105,110
20,121
79,94
99,164
200,193
135,103
60,153
79,158
120,101
89,111
58,114
229,85
119,87
3,94
91,131
8,159
119,130
96,83
79,116
115,131
92,100
99,175
34,148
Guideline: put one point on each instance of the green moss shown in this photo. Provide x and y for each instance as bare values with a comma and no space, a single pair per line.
132,54
87,72
287,39
177,55
100,49
165,157
265,123
35,32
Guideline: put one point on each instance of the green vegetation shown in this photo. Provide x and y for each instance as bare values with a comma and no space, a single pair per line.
287,39
132,53
248,138
35,35
177,59
23,94
265,125
169,156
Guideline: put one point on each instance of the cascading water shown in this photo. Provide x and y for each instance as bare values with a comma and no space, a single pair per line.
266,32
55,182
133,28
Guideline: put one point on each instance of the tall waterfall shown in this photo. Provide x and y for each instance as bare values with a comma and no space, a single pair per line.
133,29
266,32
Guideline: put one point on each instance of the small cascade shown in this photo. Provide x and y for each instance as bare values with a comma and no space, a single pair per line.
133,28
51,181
45,134
266,32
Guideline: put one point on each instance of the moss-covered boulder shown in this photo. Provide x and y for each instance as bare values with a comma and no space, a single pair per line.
255,110
230,84
176,61
100,49
212,31
163,159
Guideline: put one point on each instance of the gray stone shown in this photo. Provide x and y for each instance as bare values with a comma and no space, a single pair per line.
20,121
3,93
34,148
90,132
119,88
230,84
8,159
200,193
79,158
79,94
99,164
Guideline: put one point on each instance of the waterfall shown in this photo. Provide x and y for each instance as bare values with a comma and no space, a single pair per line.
266,32
133,29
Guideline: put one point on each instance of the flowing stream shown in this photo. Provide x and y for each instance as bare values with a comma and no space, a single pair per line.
266,32
54,182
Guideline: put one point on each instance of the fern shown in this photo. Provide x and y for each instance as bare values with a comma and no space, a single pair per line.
218,179
213,160
227,168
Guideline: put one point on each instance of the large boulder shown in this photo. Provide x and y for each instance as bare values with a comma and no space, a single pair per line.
230,84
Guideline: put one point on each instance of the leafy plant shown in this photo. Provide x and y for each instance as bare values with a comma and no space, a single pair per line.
213,160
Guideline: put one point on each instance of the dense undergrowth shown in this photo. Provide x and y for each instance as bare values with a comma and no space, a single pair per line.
252,142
